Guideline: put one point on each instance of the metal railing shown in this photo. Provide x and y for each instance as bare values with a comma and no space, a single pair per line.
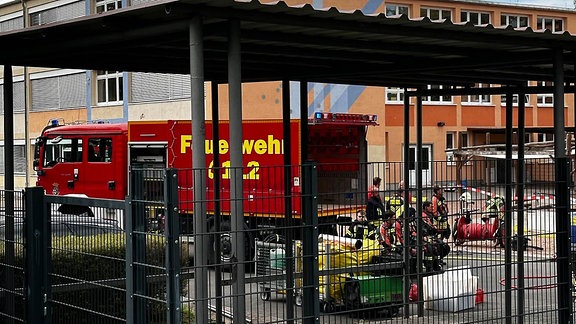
299,266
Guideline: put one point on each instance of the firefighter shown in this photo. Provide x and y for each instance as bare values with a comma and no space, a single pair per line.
374,190
428,226
401,217
429,233
388,233
395,202
361,229
435,249
374,205
440,213
495,209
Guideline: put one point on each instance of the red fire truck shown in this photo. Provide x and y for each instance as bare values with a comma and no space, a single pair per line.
94,159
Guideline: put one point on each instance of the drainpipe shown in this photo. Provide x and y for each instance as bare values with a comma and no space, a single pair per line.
26,112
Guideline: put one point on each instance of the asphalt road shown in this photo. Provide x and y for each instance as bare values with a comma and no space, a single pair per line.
539,300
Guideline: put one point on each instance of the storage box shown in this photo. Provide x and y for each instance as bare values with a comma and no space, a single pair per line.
382,289
453,304
451,291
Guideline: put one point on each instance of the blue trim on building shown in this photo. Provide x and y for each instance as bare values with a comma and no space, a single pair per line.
371,6
88,95
319,95
88,76
294,99
125,95
347,98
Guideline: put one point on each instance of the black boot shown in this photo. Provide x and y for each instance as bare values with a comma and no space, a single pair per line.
437,265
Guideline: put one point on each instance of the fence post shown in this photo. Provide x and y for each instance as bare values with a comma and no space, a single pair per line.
135,250
311,282
37,285
172,232
563,241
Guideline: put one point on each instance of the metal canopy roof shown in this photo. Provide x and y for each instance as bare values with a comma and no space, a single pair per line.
281,42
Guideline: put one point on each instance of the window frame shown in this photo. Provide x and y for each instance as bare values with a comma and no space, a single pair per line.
450,140
541,23
544,137
20,164
108,76
396,8
399,92
102,147
518,19
450,144
542,97
515,100
38,10
428,99
428,11
462,139
465,100
11,21
479,13
17,82
104,5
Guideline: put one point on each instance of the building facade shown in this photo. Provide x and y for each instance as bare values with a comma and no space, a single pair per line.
42,94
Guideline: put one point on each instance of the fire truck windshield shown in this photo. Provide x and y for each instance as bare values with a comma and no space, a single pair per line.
37,145
58,149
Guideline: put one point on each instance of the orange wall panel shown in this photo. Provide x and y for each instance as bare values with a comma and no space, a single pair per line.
432,115
528,116
395,115
478,116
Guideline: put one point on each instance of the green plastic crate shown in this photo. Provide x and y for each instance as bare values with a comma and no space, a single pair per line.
379,290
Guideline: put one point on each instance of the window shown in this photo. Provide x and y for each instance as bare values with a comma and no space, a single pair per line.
514,21
436,13
545,137
107,5
515,99
52,90
62,150
552,24
450,145
394,95
18,93
100,150
437,99
477,18
56,11
19,159
477,99
545,99
148,87
11,22
463,139
395,10
109,87
450,140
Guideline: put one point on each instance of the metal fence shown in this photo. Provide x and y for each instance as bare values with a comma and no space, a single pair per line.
292,246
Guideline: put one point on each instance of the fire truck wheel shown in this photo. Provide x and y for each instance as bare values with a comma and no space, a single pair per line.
227,249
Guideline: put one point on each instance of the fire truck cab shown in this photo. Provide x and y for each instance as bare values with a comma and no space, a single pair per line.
82,158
